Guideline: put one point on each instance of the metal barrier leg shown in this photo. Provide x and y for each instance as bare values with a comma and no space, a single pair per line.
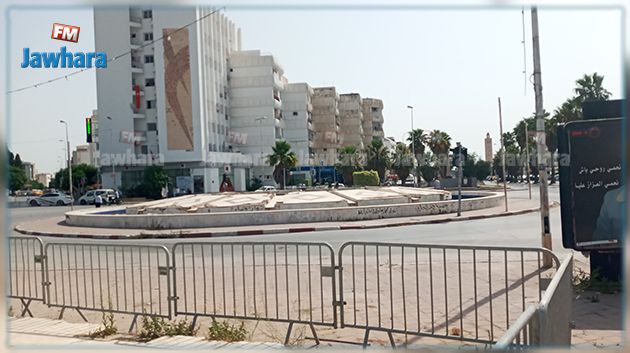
133,323
81,314
61,313
391,339
286,340
314,334
366,337
26,309
194,321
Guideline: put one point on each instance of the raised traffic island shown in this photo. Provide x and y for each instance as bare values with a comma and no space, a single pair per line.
261,208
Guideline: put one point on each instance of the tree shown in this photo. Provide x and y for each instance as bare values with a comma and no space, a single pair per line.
440,144
590,88
419,139
17,178
378,157
281,158
83,176
350,161
402,161
155,179
36,185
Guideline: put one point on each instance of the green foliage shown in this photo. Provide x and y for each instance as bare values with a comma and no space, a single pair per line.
17,178
155,178
366,178
378,158
440,143
254,184
418,141
155,327
224,331
282,158
109,327
81,172
36,184
582,281
350,160
477,168
402,162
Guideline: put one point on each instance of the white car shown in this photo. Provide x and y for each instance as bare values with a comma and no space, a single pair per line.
266,188
88,197
50,199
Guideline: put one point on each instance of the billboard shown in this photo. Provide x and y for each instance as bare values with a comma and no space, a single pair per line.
591,184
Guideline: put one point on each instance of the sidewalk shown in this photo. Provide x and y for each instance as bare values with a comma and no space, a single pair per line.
56,227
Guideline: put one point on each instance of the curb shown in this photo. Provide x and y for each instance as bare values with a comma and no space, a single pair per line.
180,235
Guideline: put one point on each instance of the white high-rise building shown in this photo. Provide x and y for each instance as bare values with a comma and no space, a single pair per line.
256,122
326,125
297,113
167,103
351,120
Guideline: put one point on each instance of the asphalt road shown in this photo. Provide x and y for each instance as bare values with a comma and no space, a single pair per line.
521,230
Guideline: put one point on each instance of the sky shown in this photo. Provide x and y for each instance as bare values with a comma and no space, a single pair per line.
449,64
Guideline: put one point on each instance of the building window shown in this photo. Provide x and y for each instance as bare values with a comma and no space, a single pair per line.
294,114
149,82
148,59
374,109
150,104
148,36
147,14
143,149
151,126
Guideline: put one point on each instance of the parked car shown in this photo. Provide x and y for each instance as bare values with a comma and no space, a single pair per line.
266,188
21,193
108,196
50,199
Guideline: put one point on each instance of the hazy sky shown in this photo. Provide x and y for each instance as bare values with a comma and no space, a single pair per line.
451,65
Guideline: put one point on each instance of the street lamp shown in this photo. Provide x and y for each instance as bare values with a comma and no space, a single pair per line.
69,166
413,147
259,121
112,160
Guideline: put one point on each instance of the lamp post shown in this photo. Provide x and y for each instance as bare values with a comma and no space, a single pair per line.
413,149
259,120
113,160
69,165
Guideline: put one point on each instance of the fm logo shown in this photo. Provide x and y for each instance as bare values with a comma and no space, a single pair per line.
66,33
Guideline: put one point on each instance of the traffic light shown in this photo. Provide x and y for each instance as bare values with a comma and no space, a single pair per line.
456,153
88,129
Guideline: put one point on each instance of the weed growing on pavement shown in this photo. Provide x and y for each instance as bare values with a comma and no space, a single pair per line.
109,327
583,281
156,327
10,312
224,331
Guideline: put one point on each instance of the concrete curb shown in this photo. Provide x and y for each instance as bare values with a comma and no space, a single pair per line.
180,235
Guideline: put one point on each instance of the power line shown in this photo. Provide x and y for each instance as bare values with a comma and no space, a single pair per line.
115,57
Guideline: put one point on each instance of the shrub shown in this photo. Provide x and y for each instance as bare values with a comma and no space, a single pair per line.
108,329
366,178
223,331
156,327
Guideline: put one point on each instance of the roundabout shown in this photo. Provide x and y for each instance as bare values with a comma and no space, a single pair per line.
296,207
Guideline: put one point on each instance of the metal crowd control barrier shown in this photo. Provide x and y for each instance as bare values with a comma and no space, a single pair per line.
128,279
547,323
274,281
26,271
466,293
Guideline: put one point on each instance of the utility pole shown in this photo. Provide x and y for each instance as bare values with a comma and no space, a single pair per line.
413,149
529,180
69,165
540,142
503,156
459,179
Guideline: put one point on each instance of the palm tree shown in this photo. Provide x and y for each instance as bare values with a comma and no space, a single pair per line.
402,161
282,158
418,140
440,144
570,110
589,87
378,157
350,160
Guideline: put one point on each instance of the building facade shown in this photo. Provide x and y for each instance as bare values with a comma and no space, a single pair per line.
167,103
351,120
297,110
326,125
488,148
256,85
85,154
44,178
372,120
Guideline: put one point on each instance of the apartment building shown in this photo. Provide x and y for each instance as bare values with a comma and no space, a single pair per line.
255,88
167,103
372,119
84,154
326,125
351,120
297,110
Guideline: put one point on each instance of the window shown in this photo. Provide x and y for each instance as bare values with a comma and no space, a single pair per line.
151,126
150,104
374,109
294,114
149,82
148,59
143,149
147,14
148,36
133,35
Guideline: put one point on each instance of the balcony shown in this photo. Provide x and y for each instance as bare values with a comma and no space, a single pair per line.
136,65
139,137
135,21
